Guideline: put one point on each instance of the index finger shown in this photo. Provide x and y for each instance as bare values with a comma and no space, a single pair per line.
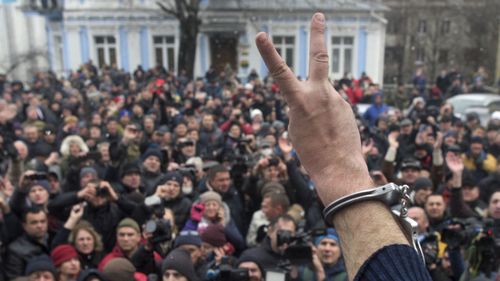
277,67
318,56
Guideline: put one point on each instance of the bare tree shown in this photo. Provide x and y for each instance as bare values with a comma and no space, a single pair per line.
30,57
187,13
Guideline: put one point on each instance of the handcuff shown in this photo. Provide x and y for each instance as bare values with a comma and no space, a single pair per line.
396,197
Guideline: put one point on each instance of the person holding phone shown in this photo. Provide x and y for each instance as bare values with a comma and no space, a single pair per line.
212,210
325,135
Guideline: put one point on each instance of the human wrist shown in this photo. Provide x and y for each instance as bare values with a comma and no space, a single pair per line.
334,183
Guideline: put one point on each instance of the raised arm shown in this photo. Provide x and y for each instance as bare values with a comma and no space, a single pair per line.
324,133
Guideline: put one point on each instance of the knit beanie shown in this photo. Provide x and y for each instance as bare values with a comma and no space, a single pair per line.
63,253
214,235
152,152
331,233
422,183
172,176
128,222
119,269
129,168
40,263
251,258
187,238
179,260
43,183
211,196
87,170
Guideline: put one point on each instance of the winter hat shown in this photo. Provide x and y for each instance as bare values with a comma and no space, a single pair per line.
255,112
251,258
188,238
43,183
211,196
331,233
119,269
172,176
468,179
40,263
214,235
87,170
90,273
152,152
422,183
179,260
476,139
63,253
129,168
128,222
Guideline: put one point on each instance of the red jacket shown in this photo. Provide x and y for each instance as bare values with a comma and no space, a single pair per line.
118,253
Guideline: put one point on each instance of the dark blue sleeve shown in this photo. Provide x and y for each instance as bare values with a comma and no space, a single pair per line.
394,263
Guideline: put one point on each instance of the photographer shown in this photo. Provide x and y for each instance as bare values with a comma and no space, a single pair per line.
269,252
33,190
104,211
169,190
253,266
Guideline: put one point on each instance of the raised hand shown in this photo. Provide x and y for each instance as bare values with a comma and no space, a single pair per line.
454,162
322,125
393,139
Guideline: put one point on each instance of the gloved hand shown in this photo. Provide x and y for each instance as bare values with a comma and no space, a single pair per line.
197,211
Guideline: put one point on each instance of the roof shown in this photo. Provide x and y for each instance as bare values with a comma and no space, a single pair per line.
294,5
486,98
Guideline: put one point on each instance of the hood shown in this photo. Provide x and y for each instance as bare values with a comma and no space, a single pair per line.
73,139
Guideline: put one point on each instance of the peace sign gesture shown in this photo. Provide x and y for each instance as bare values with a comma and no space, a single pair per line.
322,125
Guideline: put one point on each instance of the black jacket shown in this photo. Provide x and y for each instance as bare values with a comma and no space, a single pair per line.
20,252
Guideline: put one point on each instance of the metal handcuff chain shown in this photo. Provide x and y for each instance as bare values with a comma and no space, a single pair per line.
396,197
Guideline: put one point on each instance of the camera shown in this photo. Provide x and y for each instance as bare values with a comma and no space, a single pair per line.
101,192
225,272
36,177
161,230
299,251
157,225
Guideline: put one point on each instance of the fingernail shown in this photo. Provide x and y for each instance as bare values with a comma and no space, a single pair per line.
320,17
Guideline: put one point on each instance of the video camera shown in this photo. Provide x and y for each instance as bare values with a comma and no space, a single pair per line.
299,251
157,225
483,236
226,272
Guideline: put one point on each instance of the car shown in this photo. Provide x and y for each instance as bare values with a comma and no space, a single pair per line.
482,104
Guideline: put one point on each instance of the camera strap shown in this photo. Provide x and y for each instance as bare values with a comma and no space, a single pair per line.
396,197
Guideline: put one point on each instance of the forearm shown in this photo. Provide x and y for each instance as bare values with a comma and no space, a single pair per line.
359,227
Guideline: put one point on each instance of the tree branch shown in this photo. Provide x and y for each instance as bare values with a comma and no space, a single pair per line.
168,10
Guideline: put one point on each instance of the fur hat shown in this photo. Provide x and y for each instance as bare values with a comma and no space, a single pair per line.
73,139
211,196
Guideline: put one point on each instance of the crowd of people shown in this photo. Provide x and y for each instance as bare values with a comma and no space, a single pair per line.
107,175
